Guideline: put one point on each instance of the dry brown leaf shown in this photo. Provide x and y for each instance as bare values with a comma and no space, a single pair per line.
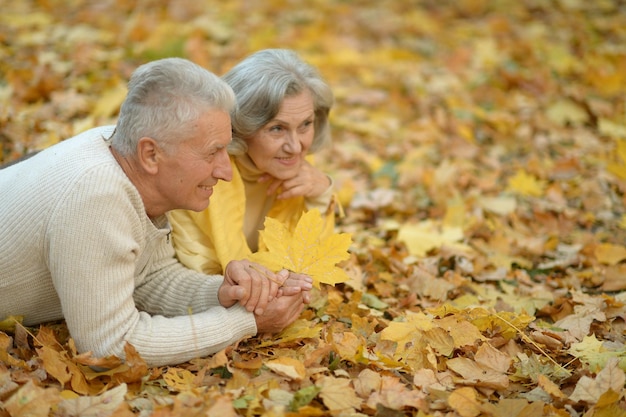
590,390
394,394
477,374
32,401
464,402
288,367
338,394
480,160
102,405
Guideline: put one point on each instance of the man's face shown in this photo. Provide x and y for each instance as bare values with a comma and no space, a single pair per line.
188,173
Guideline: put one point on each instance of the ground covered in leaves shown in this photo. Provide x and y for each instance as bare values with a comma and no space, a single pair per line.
480,151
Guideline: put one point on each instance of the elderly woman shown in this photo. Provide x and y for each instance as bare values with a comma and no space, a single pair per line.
280,119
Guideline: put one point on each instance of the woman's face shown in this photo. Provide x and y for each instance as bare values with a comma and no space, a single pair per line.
279,147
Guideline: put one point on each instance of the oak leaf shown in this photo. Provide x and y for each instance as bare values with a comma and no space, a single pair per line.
304,251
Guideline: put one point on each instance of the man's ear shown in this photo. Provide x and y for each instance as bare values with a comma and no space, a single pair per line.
148,154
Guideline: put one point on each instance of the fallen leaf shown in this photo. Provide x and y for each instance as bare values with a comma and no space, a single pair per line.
102,405
304,252
526,184
32,401
610,254
338,394
288,367
590,390
422,237
464,402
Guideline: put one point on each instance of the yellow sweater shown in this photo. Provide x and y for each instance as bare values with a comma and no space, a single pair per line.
229,228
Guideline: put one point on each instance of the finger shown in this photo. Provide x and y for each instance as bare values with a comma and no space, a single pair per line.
298,280
236,293
256,287
265,287
295,191
235,284
290,291
276,281
282,276
273,187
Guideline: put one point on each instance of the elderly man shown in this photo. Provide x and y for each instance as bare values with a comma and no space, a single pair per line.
85,236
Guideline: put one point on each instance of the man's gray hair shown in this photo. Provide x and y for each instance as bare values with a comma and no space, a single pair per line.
164,98
262,81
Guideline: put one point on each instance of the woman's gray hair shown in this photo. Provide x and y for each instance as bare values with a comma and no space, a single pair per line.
164,98
262,81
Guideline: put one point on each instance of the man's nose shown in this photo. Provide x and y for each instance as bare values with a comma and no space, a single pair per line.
223,169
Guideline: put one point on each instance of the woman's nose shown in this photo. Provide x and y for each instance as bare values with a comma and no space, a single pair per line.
293,143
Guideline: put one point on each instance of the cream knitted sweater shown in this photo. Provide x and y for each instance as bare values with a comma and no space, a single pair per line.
76,243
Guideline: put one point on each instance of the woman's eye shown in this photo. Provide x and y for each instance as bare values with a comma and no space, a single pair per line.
306,125
276,128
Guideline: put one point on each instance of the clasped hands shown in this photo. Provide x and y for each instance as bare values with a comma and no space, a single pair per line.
276,299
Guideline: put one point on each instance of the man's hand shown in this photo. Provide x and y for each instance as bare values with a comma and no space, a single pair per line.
254,286
280,313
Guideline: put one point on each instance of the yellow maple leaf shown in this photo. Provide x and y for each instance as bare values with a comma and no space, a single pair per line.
424,236
526,184
408,332
595,354
304,251
179,379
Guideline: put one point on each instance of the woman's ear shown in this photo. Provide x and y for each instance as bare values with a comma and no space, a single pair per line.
148,153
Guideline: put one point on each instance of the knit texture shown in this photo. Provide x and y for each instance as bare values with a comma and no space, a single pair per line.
76,243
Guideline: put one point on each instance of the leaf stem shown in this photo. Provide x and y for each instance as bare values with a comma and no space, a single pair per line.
532,342
265,274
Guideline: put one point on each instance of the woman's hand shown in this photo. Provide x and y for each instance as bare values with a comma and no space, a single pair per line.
297,284
254,286
310,182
